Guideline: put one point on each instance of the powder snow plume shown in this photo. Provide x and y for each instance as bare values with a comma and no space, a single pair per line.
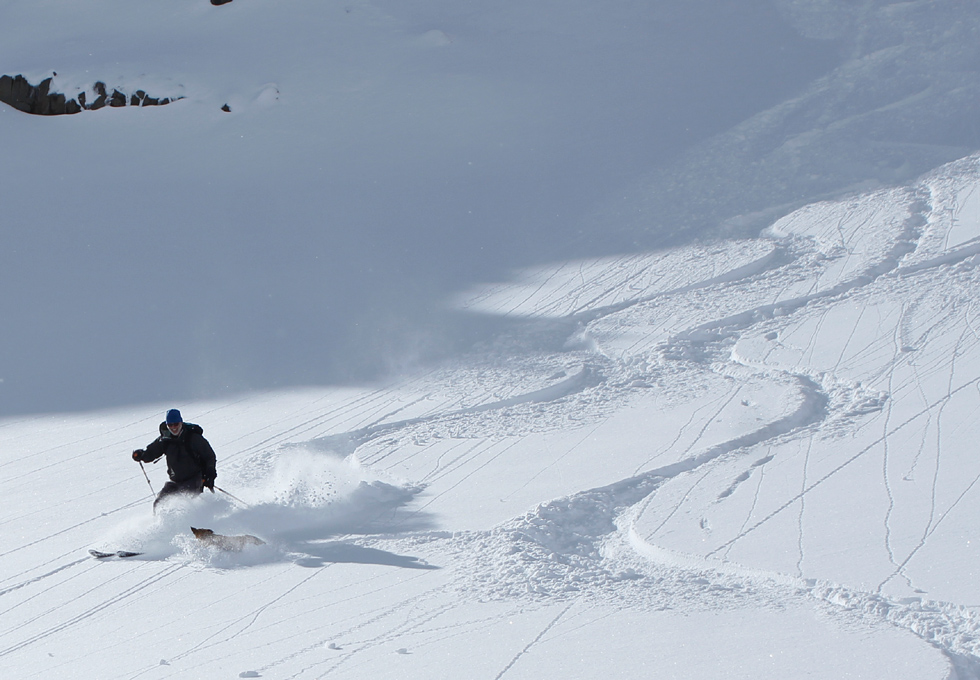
292,498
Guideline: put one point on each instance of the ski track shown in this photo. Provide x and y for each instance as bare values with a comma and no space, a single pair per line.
533,642
889,265
89,613
550,554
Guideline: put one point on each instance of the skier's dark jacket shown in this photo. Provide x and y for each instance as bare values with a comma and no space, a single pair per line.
190,457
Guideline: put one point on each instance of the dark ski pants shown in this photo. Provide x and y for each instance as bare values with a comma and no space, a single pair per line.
190,486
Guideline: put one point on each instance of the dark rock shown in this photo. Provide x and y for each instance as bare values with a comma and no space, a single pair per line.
220,2
226,108
100,98
17,92
47,103
42,104
39,100
23,93
57,104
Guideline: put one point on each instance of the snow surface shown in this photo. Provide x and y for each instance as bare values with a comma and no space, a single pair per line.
381,156
761,468
741,457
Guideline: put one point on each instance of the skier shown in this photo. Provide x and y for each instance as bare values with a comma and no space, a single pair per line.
190,458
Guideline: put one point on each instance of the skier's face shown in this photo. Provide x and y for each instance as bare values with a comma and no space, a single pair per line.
175,428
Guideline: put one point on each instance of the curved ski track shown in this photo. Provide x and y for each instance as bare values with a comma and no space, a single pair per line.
551,554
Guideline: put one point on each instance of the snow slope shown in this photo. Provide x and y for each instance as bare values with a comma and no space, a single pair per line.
379,156
745,458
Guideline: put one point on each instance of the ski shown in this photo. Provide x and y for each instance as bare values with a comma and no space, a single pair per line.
99,555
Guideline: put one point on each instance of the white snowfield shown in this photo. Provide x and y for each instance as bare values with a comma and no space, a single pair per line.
750,459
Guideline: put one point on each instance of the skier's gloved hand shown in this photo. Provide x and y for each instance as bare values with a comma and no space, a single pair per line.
209,484
138,454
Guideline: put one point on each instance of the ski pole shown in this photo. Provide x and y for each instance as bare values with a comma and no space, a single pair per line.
147,478
233,497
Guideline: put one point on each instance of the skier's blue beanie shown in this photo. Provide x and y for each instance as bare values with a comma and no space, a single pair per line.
173,417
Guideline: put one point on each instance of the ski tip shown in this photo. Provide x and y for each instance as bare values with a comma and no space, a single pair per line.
100,555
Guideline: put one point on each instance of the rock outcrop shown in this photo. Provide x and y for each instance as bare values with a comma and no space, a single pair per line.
17,92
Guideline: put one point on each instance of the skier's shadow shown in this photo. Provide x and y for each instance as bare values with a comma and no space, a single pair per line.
321,554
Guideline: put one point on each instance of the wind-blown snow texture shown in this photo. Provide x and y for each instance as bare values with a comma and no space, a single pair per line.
741,457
